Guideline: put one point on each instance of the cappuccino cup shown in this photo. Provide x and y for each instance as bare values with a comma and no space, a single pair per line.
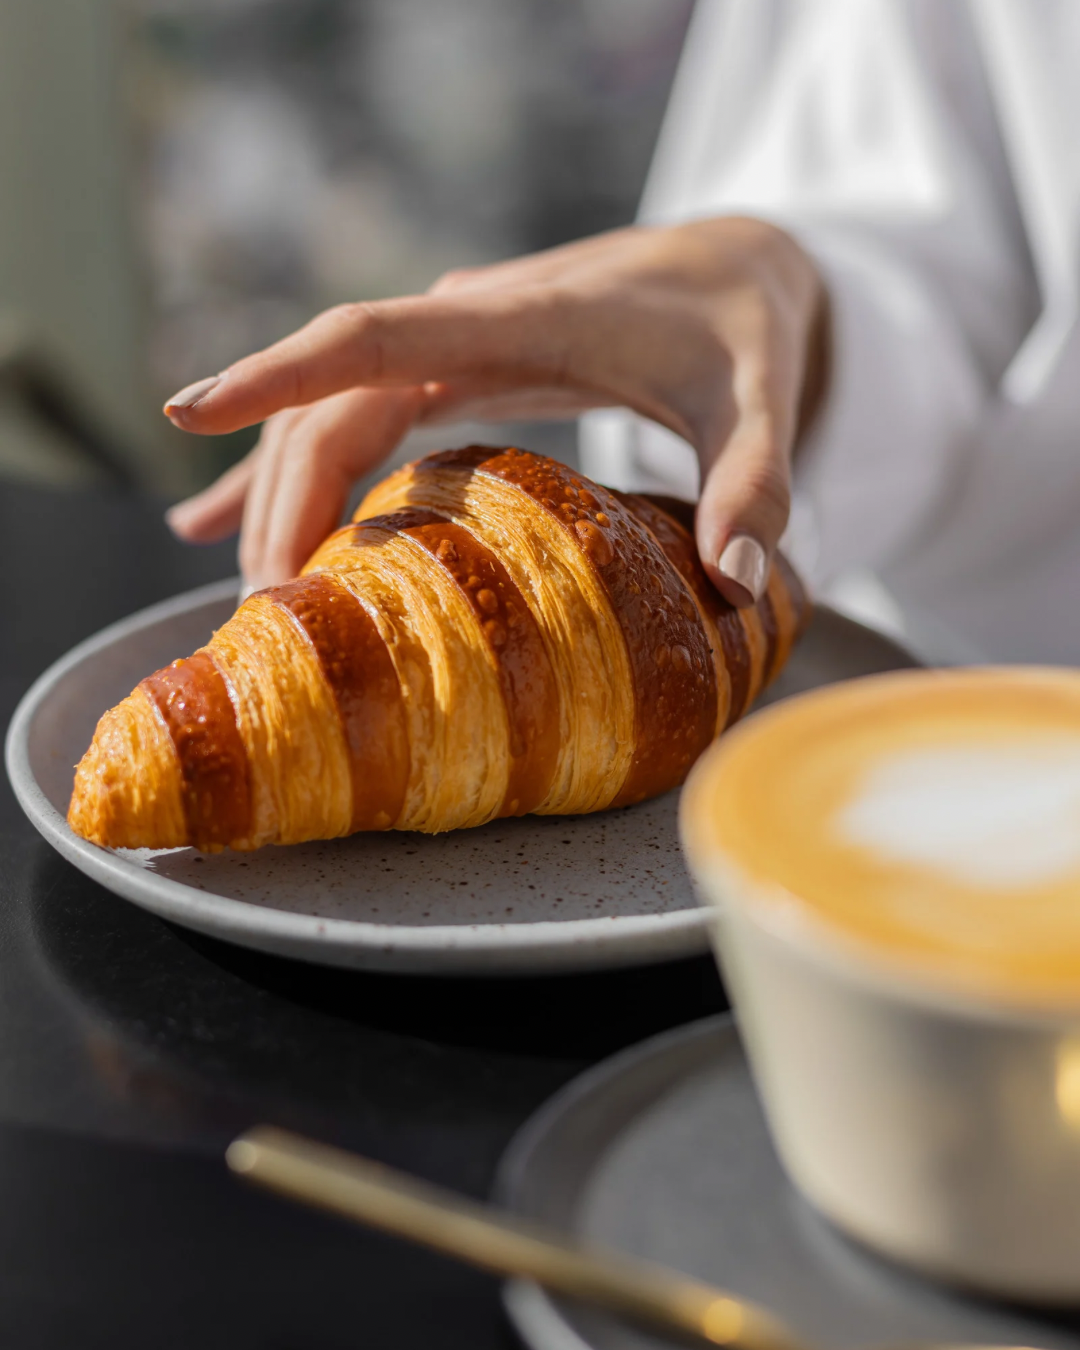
892,867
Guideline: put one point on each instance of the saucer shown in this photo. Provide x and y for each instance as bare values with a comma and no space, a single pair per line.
662,1152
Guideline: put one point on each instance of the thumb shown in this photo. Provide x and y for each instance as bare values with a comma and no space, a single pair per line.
744,506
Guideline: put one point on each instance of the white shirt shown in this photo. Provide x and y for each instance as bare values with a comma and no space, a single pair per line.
927,154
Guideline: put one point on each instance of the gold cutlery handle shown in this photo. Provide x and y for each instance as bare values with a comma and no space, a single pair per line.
380,1197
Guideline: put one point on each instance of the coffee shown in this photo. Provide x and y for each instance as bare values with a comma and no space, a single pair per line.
931,817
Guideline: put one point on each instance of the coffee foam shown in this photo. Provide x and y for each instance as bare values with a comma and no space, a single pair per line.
932,815
1002,817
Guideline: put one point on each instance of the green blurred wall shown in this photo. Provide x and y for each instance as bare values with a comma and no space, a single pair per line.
70,276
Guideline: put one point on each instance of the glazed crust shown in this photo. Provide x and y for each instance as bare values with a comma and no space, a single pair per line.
494,634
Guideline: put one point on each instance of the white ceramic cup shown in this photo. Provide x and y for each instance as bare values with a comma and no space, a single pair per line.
939,1126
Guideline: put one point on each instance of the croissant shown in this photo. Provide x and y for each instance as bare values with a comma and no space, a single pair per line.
494,634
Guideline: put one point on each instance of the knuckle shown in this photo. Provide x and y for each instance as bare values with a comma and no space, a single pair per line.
357,327
772,487
349,314
368,334
453,280
755,328
769,494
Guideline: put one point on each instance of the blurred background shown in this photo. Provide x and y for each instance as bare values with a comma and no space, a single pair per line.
186,180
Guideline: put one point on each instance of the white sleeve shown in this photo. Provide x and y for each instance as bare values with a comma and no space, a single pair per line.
867,129
904,399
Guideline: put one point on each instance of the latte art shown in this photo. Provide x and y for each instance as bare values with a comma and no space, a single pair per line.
932,816
1000,817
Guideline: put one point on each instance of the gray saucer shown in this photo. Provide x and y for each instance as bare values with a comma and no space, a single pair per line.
662,1151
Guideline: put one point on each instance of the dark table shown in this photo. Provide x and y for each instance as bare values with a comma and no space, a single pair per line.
131,1052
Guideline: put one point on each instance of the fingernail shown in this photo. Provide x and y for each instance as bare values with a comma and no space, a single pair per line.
743,561
191,394
247,590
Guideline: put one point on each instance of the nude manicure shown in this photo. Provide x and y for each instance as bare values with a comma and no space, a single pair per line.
192,394
743,561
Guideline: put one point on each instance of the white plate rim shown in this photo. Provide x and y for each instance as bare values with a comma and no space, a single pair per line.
544,946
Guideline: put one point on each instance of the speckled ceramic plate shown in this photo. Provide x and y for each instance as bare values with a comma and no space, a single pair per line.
533,894
663,1151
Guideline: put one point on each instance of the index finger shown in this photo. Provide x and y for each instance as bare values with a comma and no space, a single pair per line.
388,342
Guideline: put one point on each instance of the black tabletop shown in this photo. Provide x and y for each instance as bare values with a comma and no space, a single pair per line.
131,1051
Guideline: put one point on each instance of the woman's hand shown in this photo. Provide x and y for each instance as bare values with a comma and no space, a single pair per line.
714,329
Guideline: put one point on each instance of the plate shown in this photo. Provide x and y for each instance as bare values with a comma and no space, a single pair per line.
662,1151
539,893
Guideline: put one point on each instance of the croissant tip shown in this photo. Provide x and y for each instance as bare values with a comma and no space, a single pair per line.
126,792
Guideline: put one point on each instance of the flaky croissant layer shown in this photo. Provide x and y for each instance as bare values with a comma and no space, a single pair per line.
494,634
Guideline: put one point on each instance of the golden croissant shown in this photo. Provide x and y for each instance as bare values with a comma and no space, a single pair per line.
493,635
